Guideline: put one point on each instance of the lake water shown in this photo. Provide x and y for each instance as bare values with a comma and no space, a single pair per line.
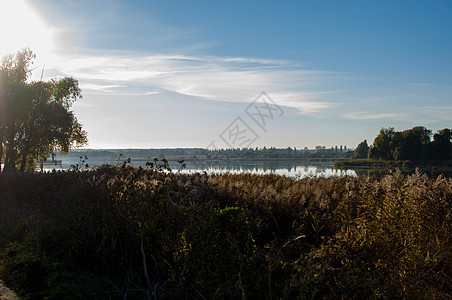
280,168
286,168
298,169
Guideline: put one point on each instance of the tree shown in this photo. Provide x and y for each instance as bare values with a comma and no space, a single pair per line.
414,142
384,144
374,153
441,146
411,144
35,117
362,150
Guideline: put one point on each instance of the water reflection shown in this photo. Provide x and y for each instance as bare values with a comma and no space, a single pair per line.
291,169
299,169
285,168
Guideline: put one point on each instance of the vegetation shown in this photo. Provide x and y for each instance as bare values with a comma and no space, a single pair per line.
412,144
118,232
35,117
408,150
274,153
361,151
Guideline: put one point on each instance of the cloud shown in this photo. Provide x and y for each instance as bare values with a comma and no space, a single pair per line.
433,114
235,79
216,78
372,116
100,88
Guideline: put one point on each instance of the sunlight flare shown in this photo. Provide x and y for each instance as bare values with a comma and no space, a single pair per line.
21,26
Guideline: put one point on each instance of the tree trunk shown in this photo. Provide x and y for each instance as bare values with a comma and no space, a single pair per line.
1,152
10,160
23,162
11,154
1,147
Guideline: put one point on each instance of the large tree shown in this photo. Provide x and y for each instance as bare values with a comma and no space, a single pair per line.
441,147
383,144
414,143
35,117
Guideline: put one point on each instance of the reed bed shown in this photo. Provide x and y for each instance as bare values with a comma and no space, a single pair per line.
145,233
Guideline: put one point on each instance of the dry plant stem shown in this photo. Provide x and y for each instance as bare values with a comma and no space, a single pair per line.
145,266
240,281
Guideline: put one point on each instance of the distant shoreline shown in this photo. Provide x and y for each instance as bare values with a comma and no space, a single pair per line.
250,159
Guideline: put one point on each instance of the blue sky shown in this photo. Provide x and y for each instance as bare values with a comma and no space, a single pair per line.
178,73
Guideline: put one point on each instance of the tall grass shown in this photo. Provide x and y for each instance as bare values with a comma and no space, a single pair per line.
143,233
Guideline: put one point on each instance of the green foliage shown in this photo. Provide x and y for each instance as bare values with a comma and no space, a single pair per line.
362,150
412,144
35,117
441,146
123,231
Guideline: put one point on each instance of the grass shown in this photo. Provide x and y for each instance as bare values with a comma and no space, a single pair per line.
123,232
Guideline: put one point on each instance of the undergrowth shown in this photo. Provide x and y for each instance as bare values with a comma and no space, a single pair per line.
124,232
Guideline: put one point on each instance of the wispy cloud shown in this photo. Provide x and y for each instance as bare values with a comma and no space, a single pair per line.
101,88
372,116
433,114
216,78
236,79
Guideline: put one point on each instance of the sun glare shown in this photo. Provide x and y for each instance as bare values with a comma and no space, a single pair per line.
21,26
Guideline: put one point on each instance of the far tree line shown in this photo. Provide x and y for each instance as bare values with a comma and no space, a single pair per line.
417,143
320,152
273,152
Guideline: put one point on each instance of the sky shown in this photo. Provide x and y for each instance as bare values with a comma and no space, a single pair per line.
157,74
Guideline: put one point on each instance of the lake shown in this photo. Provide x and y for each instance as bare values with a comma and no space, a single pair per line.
287,168
299,169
